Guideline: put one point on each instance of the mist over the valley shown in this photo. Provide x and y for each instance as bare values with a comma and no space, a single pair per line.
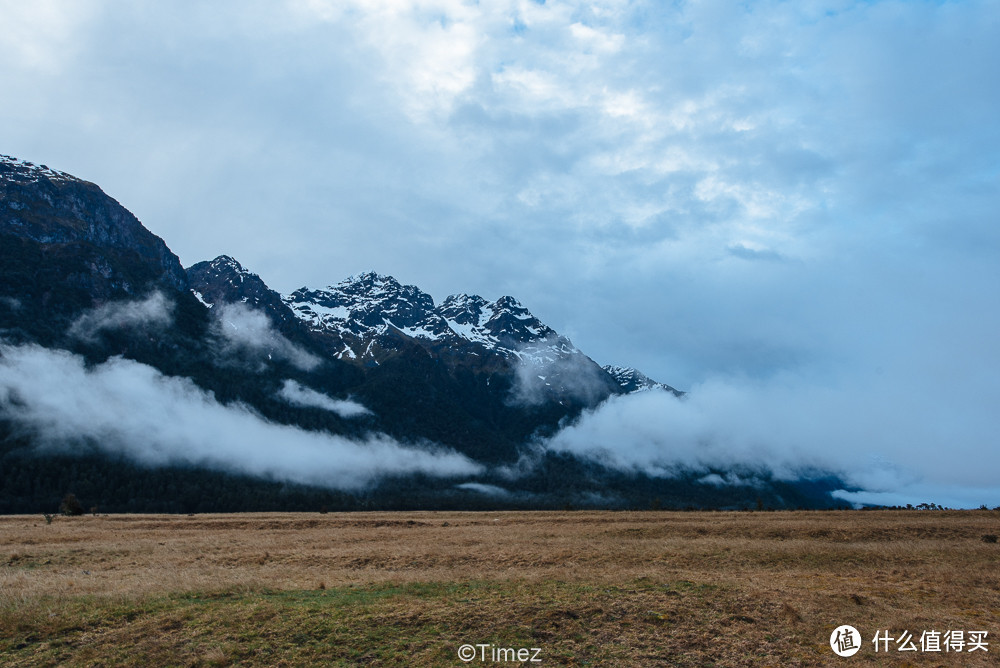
124,407
891,443
892,447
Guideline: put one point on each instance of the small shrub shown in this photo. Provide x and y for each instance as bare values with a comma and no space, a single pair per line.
989,538
71,505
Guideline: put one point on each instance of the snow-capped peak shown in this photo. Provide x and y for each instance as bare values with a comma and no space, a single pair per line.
369,281
28,172
225,262
632,380
366,305
509,303
227,270
463,309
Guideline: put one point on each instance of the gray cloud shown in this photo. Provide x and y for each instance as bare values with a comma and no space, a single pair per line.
300,395
153,313
128,408
248,335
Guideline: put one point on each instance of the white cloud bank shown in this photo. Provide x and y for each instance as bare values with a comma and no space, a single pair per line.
128,408
898,447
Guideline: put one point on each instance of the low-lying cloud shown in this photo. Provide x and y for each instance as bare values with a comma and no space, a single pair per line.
486,490
300,395
894,442
248,334
553,367
155,312
124,407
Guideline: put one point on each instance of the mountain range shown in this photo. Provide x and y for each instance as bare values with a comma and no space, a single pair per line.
425,404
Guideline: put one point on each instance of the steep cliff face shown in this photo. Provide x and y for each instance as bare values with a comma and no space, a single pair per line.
68,245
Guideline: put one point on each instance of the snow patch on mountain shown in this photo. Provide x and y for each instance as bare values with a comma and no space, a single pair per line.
22,171
367,305
632,380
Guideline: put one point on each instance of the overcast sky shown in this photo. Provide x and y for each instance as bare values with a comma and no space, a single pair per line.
713,192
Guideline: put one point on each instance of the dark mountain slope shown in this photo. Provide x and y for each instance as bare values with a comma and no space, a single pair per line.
67,247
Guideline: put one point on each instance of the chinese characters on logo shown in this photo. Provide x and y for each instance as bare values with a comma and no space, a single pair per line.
846,641
932,641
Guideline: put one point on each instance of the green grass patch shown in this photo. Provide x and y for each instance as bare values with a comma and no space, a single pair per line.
398,624
414,624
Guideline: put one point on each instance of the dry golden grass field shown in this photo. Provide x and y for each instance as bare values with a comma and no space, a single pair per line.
408,589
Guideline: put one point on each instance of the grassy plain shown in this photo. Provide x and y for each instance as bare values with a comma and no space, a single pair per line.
407,589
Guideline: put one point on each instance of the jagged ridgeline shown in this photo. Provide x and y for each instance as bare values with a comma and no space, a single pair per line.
141,386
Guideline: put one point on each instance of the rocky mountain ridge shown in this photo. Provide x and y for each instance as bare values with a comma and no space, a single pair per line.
57,209
363,318
632,380
367,304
